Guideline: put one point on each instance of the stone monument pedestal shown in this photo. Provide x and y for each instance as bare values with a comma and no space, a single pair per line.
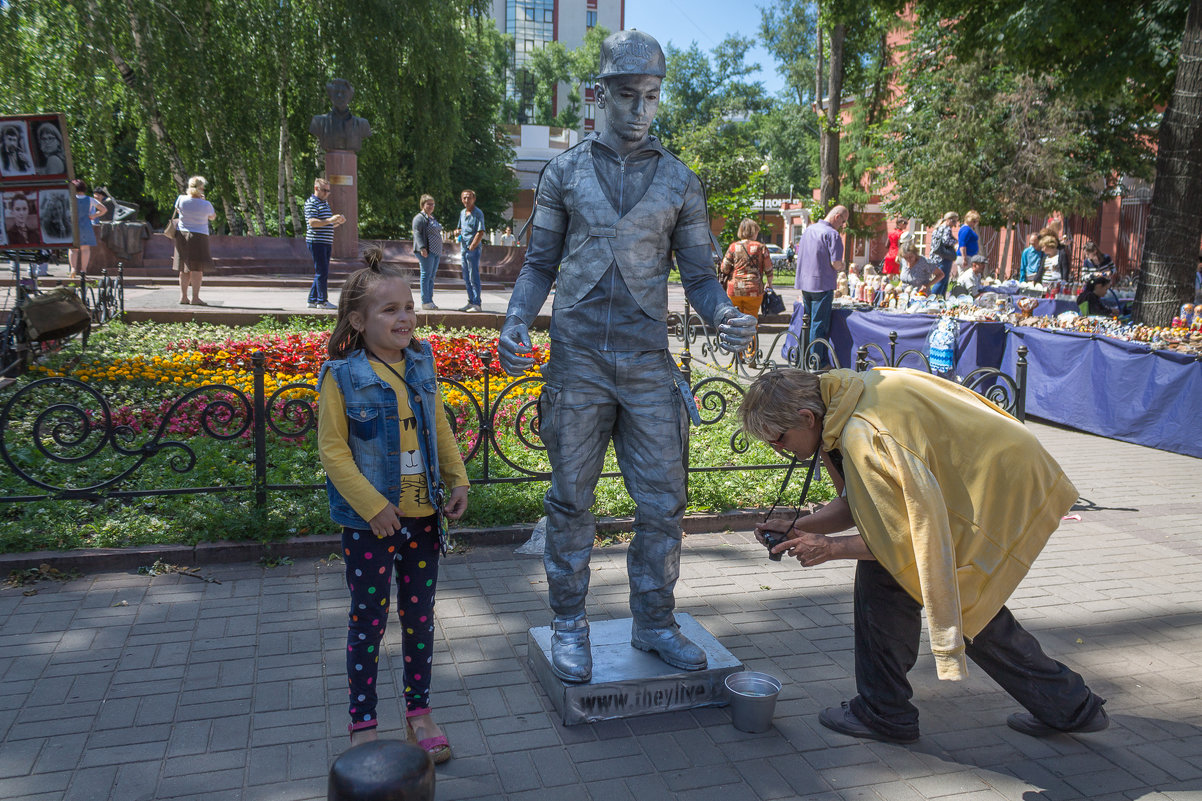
628,682
342,171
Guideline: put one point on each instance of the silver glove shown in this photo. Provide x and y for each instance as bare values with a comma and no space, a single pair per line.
736,330
513,347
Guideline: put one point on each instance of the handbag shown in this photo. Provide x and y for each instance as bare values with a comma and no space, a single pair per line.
772,303
172,225
55,314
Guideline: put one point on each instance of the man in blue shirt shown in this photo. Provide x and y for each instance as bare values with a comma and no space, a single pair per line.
610,215
471,234
819,260
1031,263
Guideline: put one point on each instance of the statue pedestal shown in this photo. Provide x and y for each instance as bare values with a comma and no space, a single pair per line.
628,682
342,171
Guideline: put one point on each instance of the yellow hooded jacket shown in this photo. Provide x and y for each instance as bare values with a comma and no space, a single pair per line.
954,497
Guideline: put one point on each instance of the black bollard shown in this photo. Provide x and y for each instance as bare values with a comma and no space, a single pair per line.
382,770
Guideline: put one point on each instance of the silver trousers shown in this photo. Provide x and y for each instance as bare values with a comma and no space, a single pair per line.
590,398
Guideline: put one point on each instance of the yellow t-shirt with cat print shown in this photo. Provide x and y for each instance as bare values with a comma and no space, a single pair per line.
340,466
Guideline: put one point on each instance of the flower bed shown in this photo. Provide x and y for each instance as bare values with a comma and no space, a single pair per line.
142,370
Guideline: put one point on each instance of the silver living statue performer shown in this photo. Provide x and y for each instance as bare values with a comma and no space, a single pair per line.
609,214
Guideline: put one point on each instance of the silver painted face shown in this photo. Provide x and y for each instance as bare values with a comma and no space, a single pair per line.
631,102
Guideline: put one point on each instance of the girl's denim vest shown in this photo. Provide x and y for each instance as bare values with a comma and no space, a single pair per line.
374,428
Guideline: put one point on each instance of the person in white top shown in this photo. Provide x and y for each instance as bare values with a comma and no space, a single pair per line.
508,240
192,240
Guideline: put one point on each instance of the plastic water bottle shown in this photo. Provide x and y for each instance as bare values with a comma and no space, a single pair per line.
941,345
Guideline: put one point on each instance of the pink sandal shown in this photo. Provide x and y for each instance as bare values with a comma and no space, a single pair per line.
438,747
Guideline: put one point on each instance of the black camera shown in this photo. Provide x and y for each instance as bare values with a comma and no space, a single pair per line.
771,540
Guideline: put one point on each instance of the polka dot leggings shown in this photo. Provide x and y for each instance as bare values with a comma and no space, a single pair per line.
413,552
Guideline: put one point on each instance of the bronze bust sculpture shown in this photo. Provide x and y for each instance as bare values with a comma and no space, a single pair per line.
340,129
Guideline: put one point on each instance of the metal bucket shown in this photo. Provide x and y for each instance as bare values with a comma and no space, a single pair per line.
752,700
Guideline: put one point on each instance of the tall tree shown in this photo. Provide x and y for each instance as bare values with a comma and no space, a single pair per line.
226,88
971,131
1174,225
702,87
706,115
828,52
1118,46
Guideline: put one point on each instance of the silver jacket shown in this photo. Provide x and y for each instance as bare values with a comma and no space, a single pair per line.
582,236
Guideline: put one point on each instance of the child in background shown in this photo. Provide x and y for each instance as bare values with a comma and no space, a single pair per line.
388,452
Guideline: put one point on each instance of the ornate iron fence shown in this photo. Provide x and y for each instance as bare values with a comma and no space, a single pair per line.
52,426
1008,392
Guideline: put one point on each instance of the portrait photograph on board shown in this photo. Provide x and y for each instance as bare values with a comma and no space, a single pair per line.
56,207
15,158
21,218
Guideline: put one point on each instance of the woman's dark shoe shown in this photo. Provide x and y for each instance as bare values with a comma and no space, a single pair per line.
1027,723
844,721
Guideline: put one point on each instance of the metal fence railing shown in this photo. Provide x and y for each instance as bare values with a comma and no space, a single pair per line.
52,430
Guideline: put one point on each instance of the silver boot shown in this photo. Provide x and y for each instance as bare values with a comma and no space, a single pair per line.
670,645
571,656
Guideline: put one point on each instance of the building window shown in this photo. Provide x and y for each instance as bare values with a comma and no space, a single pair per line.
588,94
591,4
590,19
589,125
532,25
590,111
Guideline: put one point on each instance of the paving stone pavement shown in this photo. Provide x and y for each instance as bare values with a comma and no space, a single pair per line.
124,686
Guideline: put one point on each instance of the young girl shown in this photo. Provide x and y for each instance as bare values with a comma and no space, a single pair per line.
388,451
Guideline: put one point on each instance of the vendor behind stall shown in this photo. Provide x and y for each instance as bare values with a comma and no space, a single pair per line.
1090,300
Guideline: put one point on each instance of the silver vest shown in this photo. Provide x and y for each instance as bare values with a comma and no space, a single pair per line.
637,243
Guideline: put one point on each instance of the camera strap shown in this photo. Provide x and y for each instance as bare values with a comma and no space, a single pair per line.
805,488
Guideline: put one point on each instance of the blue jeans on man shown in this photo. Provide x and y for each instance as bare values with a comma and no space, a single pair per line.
321,271
429,267
818,307
471,273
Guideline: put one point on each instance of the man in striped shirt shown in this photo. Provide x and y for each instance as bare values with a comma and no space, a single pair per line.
320,223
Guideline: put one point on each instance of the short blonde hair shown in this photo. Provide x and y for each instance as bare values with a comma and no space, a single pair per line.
773,400
951,215
196,186
321,183
749,229
424,198
972,218
1048,241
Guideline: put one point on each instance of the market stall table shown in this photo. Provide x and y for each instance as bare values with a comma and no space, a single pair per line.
1117,389
979,344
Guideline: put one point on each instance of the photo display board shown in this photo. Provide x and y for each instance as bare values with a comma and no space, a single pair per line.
38,209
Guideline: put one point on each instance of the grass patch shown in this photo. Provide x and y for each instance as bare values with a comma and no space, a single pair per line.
212,453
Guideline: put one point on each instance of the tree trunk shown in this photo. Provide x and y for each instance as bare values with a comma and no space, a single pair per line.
246,199
877,99
232,217
143,88
829,168
820,110
261,202
297,226
1174,225
282,178
281,185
